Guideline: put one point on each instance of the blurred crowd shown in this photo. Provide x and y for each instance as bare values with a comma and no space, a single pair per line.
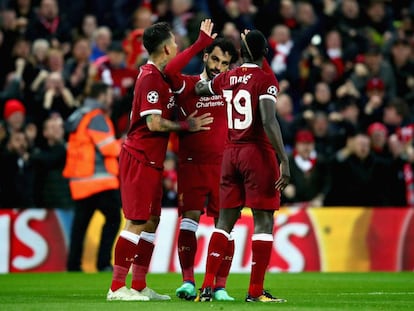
345,104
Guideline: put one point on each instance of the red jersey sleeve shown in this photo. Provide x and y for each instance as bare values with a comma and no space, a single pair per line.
176,65
150,93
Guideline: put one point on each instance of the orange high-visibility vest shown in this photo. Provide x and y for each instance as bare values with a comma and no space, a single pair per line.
92,158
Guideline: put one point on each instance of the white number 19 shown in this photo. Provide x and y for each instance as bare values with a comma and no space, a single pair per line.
245,109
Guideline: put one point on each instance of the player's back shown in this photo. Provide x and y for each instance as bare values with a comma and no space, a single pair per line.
242,88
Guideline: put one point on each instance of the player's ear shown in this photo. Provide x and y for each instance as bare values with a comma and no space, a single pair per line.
205,57
166,50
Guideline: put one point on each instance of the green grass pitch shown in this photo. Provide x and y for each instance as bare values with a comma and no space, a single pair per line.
304,291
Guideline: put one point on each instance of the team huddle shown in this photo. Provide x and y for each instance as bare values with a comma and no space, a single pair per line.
231,155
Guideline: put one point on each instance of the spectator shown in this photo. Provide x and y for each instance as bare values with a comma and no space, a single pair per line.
52,189
403,65
48,24
308,173
374,65
92,167
76,68
378,135
17,175
285,116
57,98
86,29
396,115
14,115
113,71
402,171
379,24
373,109
281,43
358,177
350,22
101,39
324,135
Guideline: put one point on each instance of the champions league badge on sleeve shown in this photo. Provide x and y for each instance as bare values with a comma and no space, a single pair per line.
152,97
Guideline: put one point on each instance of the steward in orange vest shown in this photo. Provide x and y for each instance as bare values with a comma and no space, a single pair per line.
92,151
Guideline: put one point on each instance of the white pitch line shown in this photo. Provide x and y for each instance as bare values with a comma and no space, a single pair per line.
377,293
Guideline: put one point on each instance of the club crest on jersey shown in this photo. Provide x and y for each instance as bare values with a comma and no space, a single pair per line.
272,90
152,97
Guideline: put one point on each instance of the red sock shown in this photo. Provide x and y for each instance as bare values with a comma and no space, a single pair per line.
124,256
261,250
216,250
141,264
225,266
187,248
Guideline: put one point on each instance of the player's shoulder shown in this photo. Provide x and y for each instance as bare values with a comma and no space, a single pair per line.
150,75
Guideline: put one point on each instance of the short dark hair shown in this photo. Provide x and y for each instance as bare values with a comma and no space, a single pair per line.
254,46
225,45
98,88
155,35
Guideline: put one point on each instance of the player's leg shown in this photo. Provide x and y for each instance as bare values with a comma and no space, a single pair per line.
261,195
262,244
133,199
125,250
220,292
187,248
192,195
151,184
217,248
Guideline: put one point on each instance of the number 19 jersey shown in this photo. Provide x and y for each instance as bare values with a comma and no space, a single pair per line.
242,88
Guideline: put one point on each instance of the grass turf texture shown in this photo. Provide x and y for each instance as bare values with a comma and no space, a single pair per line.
304,291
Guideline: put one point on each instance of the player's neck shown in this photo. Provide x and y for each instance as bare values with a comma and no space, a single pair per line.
204,75
158,61
258,62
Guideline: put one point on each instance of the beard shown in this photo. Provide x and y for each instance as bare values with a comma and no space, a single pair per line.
211,73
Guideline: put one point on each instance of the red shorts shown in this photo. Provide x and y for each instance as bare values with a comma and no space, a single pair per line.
248,178
141,188
198,188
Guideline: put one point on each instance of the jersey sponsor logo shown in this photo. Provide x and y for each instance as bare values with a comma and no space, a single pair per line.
171,102
210,101
153,97
272,90
240,79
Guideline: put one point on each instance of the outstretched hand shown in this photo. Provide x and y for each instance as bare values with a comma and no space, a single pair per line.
207,27
198,123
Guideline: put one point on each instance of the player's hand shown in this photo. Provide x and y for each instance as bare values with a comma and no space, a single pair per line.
207,27
284,178
199,123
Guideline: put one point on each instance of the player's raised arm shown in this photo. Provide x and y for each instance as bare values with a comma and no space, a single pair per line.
156,123
175,66
272,129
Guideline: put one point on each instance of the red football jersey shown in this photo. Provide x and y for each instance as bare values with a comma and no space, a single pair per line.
202,146
242,88
152,95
